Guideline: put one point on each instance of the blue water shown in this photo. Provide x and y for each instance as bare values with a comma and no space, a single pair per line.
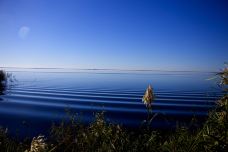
40,97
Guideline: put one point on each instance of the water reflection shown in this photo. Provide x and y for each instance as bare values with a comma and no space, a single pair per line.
39,98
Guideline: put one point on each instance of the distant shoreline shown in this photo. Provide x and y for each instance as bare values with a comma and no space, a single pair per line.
112,69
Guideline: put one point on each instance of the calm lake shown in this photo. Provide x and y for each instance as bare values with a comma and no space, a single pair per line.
40,97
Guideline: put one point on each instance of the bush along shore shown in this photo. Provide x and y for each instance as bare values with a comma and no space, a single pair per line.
6,81
3,80
102,137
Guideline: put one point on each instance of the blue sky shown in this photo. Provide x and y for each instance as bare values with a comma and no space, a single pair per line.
120,34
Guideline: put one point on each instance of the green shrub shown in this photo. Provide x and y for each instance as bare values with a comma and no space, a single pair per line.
8,144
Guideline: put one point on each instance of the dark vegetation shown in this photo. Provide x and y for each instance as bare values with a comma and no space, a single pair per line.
3,79
101,136
6,81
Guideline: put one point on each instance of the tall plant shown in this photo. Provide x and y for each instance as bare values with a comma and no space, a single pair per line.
147,99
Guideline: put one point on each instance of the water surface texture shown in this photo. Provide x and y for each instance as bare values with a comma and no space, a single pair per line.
40,97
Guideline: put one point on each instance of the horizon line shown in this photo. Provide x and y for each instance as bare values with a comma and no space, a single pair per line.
107,69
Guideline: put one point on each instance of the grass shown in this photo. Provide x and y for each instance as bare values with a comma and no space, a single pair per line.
101,136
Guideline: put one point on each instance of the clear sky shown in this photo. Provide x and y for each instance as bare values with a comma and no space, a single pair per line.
120,34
